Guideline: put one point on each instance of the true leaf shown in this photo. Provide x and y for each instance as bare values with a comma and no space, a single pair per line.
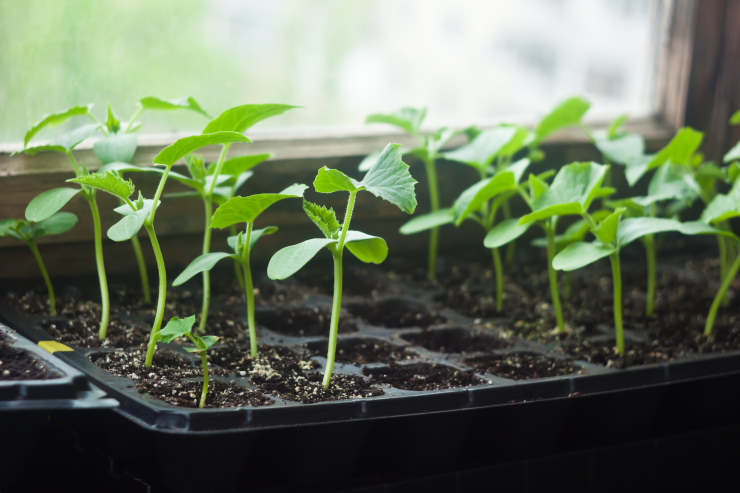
330,180
427,221
195,167
565,114
679,149
606,230
483,149
672,180
240,118
504,232
390,180
186,145
153,103
69,140
367,248
519,140
325,219
59,223
9,227
108,182
581,254
472,198
289,260
112,122
368,161
116,148
232,241
49,202
207,341
201,263
176,327
625,149
246,209
238,165
407,118
55,119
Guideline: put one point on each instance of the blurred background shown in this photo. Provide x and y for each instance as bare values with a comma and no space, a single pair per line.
468,61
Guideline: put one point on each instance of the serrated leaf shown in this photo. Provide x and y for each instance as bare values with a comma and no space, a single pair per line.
324,218
47,203
606,230
581,254
407,118
178,149
475,196
207,341
112,123
289,260
367,248
71,139
9,227
505,232
723,206
59,223
368,161
484,148
55,119
427,221
108,182
246,209
732,154
565,114
116,148
176,327
390,180
573,189
201,263
189,103
330,180
195,166
240,118
239,165
233,241
679,149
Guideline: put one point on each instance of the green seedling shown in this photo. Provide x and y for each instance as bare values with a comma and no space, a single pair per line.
612,234
141,212
234,211
721,209
572,191
179,327
28,232
388,179
427,151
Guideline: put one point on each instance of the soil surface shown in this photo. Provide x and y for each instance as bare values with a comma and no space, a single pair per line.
520,366
360,351
422,376
17,364
457,340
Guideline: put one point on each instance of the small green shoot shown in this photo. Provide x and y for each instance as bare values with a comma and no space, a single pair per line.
388,179
28,232
179,327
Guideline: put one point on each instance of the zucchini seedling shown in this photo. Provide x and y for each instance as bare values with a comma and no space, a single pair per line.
179,327
28,232
235,211
388,179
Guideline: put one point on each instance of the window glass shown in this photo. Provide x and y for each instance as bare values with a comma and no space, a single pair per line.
467,61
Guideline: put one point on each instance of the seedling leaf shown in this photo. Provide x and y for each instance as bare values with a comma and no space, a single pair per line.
240,118
176,327
674,181
178,149
330,180
233,241
390,180
565,114
49,202
625,149
427,221
239,165
109,182
581,254
473,197
116,148
613,132
732,154
606,230
325,219
679,149
154,103
483,149
407,118
59,223
55,119
723,206
289,260
367,248
201,263
504,232
246,209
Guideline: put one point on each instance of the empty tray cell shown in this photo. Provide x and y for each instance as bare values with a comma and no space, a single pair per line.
187,393
360,351
421,376
522,366
456,340
396,313
17,364
300,321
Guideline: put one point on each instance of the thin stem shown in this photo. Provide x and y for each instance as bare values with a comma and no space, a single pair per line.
726,282
337,300
143,275
553,277
133,119
431,170
649,242
37,255
249,294
617,294
204,391
206,300
102,279
498,272
161,296
75,166
237,265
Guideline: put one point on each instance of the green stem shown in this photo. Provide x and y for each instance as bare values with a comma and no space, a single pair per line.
249,293
723,264
498,272
617,282
204,391
434,206
45,275
553,278
133,118
336,305
161,296
206,300
649,242
726,282
136,245
237,265
102,279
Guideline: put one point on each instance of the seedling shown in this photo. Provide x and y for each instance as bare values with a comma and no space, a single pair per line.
612,234
179,327
28,232
235,211
388,179
428,151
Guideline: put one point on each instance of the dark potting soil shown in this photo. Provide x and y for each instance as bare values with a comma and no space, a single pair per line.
456,340
301,321
520,366
422,376
397,313
360,351
16,364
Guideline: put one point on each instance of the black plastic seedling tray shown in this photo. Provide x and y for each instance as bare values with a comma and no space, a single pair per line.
405,433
